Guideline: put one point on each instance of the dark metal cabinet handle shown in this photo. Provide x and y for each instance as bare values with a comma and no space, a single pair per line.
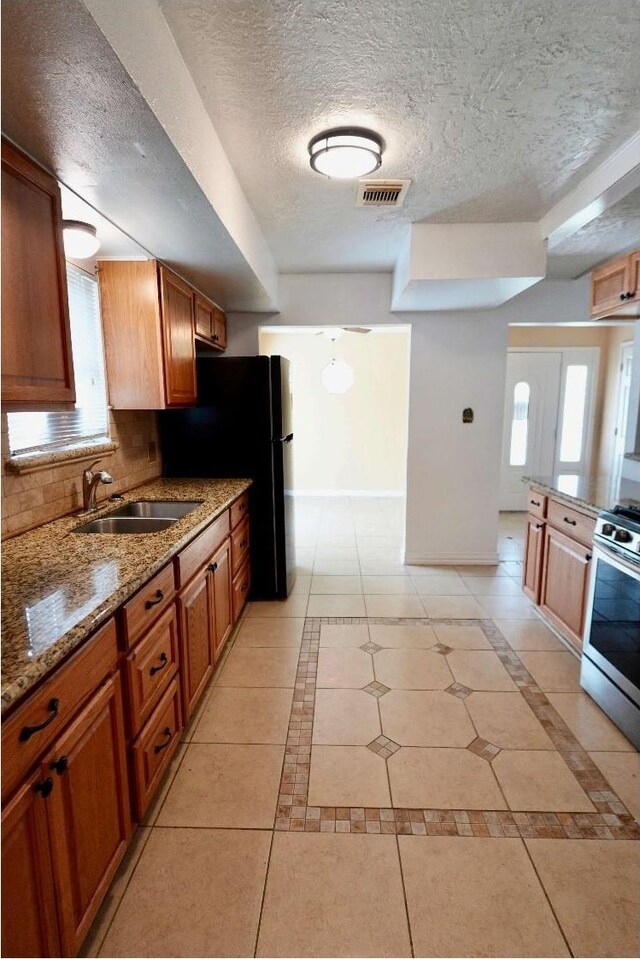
623,296
243,544
212,567
154,602
60,765
156,669
588,556
534,502
169,734
244,588
539,525
45,787
27,731
571,522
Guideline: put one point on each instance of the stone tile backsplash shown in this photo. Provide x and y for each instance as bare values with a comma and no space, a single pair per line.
39,497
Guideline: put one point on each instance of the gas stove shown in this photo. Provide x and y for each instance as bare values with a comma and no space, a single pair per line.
619,530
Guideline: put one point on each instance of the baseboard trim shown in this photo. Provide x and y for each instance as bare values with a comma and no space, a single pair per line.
348,492
451,559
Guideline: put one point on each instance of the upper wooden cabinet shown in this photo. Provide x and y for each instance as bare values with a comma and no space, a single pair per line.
211,323
147,318
615,288
37,366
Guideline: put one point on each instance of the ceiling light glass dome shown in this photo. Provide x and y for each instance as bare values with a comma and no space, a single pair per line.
80,239
337,377
346,153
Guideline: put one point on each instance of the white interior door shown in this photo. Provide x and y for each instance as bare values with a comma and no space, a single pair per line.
624,387
530,422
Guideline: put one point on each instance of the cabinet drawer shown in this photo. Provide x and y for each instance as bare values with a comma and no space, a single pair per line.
54,704
239,509
202,548
574,524
240,546
240,590
147,604
151,667
537,503
155,746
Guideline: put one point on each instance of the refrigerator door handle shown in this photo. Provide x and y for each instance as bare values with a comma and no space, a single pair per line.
284,439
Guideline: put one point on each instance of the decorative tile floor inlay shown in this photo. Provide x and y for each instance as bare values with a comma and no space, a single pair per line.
483,749
611,820
458,690
376,689
383,746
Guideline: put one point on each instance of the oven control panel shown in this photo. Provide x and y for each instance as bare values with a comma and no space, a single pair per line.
619,531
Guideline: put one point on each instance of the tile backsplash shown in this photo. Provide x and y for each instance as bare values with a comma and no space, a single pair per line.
45,495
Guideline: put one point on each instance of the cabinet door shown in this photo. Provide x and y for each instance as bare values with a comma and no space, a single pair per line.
37,367
609,285
634,275
178,340
196,639
219,329
220,571
564,583
203,317
29,923
89,811
532,572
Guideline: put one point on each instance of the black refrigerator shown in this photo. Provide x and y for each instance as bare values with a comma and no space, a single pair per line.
242,427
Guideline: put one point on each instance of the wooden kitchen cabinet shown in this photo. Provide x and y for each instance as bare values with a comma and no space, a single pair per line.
29,918
66,830
210,322
533,557
615,288
565,583
197,638
148,323
220,573
37,363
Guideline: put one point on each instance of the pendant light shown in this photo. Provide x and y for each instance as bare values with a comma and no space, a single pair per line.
346,153
337,376
80,239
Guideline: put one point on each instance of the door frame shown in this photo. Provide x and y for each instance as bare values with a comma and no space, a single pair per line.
571,355
616,468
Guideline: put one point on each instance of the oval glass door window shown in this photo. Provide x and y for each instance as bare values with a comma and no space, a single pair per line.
520,424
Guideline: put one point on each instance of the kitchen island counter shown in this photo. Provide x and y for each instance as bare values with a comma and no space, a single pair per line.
592,493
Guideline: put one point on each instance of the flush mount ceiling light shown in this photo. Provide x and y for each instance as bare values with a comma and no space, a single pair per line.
80,239
346,152
337,377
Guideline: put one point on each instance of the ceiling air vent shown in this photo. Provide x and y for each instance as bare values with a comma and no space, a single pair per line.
381,192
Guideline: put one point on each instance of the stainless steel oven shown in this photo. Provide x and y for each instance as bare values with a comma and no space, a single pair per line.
610,670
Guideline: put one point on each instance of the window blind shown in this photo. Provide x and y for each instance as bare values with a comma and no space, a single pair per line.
89,421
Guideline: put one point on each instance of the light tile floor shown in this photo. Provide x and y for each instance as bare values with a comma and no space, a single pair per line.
395,761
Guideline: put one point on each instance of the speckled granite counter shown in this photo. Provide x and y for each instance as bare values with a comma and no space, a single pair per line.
590,492
58,586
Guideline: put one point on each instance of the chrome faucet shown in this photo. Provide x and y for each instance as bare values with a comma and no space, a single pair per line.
90,482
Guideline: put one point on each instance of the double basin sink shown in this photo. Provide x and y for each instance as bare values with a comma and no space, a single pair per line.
140,517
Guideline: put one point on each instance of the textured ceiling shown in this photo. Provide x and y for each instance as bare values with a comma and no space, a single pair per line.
68,101
494,108
614,231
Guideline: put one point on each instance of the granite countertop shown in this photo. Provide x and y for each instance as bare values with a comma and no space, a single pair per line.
593,493
59,586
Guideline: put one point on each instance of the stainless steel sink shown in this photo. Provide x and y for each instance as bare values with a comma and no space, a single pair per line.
158,508
127,524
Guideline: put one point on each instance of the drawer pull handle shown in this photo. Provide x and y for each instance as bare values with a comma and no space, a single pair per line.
27,731
164,659
212,567
588,556
45,787
169,734
571,522
154,602
534,502
243,544
539,525
60,765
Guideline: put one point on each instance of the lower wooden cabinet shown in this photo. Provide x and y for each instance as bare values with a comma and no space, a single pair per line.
65,833
154,747
220,572
196,638
565,583
532,567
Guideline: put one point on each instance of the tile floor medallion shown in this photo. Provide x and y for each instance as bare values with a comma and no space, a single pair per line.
386,701
575,799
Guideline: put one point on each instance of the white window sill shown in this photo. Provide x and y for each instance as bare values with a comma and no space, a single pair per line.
45,459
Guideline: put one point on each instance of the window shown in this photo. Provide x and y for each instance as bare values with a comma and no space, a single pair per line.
573,413
520,424
89,422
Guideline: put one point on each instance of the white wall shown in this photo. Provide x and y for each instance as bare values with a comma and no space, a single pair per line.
355,441
631,468
457,360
